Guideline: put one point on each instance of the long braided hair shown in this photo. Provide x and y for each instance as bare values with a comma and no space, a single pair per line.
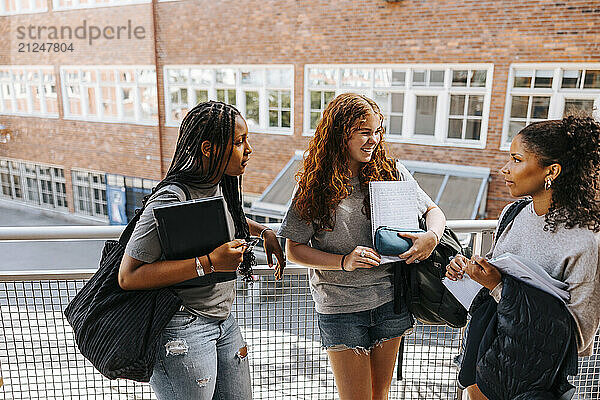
214,122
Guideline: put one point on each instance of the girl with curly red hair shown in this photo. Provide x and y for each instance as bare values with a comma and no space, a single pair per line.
327,229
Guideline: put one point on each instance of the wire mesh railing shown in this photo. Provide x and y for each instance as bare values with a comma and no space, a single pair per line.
39,358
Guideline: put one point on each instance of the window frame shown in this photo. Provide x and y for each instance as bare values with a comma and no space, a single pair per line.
13,82
240,90
17,169
98,85
19,10
93,4
91,185
411,91
557,94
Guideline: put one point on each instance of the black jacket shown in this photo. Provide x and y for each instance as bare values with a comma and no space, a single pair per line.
521,348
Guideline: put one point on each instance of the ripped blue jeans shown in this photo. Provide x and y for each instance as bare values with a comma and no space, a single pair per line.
201,358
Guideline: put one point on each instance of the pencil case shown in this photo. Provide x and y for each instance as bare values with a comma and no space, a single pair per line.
388,243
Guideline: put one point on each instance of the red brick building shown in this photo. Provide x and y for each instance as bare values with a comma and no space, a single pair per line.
92,91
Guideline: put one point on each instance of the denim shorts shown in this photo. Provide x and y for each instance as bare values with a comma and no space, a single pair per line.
363,330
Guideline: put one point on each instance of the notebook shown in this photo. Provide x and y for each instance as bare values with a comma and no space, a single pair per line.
393,204
192,228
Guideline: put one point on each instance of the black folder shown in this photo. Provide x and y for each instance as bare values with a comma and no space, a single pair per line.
191,229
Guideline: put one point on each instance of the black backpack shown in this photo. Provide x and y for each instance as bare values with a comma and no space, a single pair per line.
420,285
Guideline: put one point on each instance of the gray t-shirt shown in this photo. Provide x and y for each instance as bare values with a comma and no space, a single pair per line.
569,255
213,301
336,292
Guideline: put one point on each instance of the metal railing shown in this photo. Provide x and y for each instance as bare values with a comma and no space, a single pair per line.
39,358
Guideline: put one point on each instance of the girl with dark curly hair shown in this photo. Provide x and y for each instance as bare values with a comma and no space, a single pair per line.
328,230
557,164
203,354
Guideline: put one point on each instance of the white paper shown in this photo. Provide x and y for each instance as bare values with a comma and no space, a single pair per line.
531,273
393,204
464,289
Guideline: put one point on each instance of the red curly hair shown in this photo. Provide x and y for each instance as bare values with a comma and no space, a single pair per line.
325,179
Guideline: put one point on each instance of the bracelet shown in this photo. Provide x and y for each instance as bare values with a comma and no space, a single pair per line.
199,267
436,236
262,233
342,263
211,267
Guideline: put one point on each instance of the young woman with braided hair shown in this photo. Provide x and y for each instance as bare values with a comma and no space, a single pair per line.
203,353
328,230
557,164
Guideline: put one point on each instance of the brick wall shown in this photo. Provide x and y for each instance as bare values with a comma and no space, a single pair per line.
298,33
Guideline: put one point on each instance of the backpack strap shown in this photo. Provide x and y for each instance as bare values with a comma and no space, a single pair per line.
128,231
513,210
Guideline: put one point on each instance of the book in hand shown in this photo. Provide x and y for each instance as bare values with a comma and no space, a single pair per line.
393,204
192,228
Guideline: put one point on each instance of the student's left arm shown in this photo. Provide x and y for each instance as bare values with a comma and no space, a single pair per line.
270,244
424,243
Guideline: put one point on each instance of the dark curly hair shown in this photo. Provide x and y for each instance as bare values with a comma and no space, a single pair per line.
574,143
325,179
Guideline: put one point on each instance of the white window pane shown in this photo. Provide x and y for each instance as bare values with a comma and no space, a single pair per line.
419,78
425,115
398,78
226,76
251,77
592,79
381,98
279,77
539,107
478,78
436,78
177,75
519,106
148,103
398,102
457,104
383,77
573,106
459,78
523,78
514,128
571,79
201,76
430,183
395,125
455,128
475,108
321,77
354,77
543,78
473,131
252,108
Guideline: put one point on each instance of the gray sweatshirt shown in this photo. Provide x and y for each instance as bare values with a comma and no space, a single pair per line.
569,255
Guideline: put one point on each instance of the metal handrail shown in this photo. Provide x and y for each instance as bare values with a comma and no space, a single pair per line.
81,232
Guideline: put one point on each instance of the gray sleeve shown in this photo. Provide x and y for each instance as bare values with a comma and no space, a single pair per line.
144,244
491,252
424,202
295,228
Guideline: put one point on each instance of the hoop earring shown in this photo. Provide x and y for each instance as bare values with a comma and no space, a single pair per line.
548,184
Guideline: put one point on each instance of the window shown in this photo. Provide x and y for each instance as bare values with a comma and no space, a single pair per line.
546,91
59,5
263,94
460,191
426,104
89,193
28,91
110,94
38,184
274,201
10,7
